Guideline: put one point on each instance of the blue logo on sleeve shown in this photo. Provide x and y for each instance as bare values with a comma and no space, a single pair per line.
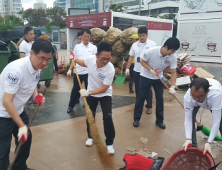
12,79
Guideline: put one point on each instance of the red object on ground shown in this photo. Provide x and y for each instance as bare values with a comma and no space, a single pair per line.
56,56
187,69
137,162
192,159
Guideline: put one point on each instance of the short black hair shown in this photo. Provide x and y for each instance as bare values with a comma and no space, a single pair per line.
79,33
142,30
27,29
42,45
104,46
87,30
200,83
172,43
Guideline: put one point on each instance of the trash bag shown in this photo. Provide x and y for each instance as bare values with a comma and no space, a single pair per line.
118,48
97,34
3,45
12,35
127,33
117,70
112,35
115,59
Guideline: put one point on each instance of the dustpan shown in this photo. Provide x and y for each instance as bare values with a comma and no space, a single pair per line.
120,78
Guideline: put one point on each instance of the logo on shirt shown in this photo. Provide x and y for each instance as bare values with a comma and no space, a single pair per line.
187,108
167,61
101,76
37,77
147,47
12,79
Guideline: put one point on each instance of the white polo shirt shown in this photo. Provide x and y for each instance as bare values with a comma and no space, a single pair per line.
25,47
19,78
154,59
99,76
83,52
137,51
212,102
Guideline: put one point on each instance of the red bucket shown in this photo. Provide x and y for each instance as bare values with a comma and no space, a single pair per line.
193,159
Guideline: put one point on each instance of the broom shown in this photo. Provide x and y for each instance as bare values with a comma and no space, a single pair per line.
203,128
105,159
22,141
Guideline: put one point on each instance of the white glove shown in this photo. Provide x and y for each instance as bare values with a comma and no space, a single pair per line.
69,73
153,71
207,148
187,144
23,133
84,92
127,72
172,90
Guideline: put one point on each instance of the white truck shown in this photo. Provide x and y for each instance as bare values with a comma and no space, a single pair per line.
200,29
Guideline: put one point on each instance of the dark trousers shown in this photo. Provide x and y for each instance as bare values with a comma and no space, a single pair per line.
194,135
131,77
75,95
144,88
149,97
106,105
9,128
55,64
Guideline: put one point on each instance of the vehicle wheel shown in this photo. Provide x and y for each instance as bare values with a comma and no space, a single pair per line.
47,83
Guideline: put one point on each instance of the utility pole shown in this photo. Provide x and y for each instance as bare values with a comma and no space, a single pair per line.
139,7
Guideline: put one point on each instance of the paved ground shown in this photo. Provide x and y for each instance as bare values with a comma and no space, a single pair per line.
59,138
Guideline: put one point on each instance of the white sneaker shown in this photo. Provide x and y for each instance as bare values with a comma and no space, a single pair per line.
110,149
89,142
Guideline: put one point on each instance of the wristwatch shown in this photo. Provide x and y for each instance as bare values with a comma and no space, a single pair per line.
89,93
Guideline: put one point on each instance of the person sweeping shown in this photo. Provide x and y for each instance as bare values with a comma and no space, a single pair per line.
100,77
205,93
18,82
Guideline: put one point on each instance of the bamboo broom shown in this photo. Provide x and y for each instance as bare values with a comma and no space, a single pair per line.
105,159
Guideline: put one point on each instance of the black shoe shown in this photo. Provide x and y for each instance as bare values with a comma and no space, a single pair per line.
29,169
136,123
131,92
69,110
161,125
77,102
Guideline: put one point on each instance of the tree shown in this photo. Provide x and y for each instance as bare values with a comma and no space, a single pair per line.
57,16
116,8
13,20
35,17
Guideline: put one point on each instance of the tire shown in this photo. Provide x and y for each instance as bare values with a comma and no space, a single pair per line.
47,83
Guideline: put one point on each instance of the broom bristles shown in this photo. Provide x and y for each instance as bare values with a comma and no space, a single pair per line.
105,158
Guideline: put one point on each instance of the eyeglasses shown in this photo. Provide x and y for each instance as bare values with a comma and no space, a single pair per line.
43,58
142,35
198,97
105,59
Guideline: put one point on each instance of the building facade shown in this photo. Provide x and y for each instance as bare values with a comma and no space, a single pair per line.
60,3
10,7
39,4
93,5
155,7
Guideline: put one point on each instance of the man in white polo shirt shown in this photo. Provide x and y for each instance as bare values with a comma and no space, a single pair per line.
18,82
154,61
101,73
82,51
26,44
205,93
136,52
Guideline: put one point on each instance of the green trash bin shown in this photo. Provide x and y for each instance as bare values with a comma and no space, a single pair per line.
4,58
14,52
47,73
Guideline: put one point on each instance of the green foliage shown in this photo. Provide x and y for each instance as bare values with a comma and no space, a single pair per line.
57,16
116,8
5,27
168,16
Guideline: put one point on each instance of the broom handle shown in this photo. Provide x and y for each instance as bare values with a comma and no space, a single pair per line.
77,75
169,89
22,141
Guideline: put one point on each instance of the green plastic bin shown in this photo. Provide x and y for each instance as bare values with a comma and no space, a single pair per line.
4,58
15,54
48,73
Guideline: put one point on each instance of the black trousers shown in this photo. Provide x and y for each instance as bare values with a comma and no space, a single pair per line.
8,128
106,105
75,95
149,97
55,63
131,77
194,135
144,88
